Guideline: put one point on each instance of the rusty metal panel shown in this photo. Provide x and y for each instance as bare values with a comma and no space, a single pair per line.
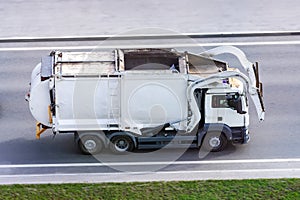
87,56
71,69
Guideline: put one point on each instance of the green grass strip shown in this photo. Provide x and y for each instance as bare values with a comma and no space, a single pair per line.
223,189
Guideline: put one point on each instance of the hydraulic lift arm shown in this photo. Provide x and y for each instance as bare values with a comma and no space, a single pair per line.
200,83
255,89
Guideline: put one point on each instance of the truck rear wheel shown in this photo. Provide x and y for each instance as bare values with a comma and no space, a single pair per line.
214,141
90,144
121,144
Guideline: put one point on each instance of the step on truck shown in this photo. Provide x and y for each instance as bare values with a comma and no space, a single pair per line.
128,99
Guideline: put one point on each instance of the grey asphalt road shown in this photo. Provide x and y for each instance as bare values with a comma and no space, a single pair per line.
93,17
276,138
274,150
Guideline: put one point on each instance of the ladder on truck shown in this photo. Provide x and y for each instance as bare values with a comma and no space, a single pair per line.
114,102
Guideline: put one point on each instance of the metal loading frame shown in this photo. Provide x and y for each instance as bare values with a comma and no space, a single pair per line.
39,126
39,130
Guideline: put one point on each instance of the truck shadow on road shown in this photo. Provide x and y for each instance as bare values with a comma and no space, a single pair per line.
62,149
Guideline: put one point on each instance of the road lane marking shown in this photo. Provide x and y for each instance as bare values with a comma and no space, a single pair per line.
158,172
297,42
245,161
46,48
271,170
150,36
144,176
152,176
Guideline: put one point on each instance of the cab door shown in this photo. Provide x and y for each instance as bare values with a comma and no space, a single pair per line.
221,109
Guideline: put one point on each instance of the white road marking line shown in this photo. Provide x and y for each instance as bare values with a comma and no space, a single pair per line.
46,48
62,178
207,34
183,172
288,160
297,42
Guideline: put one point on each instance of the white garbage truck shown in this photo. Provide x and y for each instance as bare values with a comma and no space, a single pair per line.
126,99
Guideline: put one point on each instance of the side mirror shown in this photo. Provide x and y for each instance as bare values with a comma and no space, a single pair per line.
239,106
235,102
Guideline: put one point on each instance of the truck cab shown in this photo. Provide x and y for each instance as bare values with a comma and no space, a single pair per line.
226,118
229,107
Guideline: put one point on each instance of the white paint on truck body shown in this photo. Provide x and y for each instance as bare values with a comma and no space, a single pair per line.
39,97
143,100
149,100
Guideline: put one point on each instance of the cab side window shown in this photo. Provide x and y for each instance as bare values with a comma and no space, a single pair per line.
219,101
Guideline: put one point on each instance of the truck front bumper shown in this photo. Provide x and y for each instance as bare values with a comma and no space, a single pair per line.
240,135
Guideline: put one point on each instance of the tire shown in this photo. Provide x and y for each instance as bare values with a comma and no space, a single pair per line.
90,144
121,144
214,141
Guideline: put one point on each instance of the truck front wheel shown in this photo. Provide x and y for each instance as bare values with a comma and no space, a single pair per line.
90,144
214,141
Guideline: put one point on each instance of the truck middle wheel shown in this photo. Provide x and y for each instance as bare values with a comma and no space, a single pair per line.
121,144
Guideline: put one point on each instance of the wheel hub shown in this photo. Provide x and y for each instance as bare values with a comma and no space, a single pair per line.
90,144
214,142
121,145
